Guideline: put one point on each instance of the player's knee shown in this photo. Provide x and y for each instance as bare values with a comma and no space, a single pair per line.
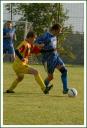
20,78
63,70
36,72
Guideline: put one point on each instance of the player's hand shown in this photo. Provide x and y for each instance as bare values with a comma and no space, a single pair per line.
24,61
40,45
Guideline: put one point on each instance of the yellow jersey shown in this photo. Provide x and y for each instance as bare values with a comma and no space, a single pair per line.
25,49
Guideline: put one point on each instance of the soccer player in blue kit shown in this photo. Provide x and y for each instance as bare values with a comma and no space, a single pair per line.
51,58
8,39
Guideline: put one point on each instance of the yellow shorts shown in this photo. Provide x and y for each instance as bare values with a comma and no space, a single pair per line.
20,68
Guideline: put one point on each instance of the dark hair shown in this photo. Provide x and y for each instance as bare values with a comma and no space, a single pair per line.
9,21
30,34
56,27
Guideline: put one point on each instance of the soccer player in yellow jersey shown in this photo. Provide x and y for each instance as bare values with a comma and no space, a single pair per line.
20,65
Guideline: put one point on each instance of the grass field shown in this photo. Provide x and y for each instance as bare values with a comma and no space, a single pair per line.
29,106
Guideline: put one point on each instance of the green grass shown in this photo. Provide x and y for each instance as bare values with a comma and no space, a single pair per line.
29,106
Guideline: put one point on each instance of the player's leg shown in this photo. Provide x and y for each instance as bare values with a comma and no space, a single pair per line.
12,57
29,70
49,69
11,53
38,78
61,67
5,52
41,83
15,83
4,49
48,79
50,75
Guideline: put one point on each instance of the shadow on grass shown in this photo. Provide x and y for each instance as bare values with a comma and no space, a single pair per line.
22,94
58,96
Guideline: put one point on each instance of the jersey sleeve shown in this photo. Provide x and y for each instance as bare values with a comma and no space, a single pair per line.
35,49
46,39
24,49
41,39
21,47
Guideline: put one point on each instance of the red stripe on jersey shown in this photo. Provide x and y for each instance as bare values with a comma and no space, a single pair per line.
22,48
35,50
26,52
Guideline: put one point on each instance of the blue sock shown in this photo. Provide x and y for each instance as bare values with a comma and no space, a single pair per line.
46,81
64,80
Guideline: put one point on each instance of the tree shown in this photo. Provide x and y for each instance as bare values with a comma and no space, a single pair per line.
42,16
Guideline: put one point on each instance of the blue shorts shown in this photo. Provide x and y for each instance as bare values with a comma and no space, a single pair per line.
52,63
8,49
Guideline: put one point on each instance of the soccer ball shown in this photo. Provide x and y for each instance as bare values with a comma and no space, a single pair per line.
72,92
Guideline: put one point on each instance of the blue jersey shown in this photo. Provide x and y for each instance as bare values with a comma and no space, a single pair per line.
9,40
51,58
50,42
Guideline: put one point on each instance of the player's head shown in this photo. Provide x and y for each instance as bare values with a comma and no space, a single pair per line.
9,24
31,36
56,29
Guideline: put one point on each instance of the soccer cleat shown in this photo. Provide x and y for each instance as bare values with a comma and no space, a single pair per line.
65,91
9,91
46,91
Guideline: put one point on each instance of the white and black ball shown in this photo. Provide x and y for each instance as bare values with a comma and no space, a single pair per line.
72,92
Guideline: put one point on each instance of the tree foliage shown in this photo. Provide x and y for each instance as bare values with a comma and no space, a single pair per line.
42,16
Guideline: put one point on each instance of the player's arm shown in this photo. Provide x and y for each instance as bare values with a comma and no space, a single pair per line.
18,51
37,50
40,46
15,37
19,55
47,50
41,39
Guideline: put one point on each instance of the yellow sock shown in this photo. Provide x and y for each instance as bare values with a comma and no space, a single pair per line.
40,81
14,84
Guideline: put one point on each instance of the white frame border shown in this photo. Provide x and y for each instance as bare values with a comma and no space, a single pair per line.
84,2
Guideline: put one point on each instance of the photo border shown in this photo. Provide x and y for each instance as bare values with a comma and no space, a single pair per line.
1,58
